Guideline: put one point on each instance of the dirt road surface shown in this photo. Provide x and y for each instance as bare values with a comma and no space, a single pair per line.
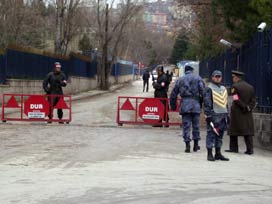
92,160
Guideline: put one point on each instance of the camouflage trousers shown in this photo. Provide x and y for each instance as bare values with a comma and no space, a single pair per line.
188,120
212,139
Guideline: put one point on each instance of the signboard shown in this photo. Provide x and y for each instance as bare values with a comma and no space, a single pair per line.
36,106
151,110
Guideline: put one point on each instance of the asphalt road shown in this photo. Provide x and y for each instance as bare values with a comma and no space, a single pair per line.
92,160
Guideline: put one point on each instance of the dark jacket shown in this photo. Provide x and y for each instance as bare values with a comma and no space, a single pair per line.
161,86
146,76
53,83
244,101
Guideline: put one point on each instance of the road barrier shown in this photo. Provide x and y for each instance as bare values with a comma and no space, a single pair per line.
29,107
146,111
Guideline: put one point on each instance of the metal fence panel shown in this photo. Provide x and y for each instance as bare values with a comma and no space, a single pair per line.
121,69
2,69
254,58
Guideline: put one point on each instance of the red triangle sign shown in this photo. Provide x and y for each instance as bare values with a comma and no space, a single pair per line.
61,104
127,105
12,103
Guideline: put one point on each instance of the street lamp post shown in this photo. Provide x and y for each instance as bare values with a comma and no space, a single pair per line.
230,45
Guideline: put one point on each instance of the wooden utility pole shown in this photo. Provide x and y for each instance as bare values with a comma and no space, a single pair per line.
106,45
104,67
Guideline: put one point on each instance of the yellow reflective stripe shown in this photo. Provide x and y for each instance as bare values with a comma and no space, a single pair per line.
220,99
220,103
224,94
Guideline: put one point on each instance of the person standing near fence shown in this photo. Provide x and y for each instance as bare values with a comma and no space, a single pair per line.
216,111
241,118
146,77
191,89
52,85
161,87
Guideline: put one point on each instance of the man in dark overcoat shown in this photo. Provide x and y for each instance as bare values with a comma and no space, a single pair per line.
52,85
161,87
241,119
146,77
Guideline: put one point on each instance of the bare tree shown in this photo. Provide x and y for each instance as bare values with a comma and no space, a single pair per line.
111,24
67,23
21,22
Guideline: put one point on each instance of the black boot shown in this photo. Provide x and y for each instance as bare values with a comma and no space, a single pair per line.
210,155
187,150
219,156
249,145
196,146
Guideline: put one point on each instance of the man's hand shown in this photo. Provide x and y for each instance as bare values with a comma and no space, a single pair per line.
46,91
246,109
63,83
209,120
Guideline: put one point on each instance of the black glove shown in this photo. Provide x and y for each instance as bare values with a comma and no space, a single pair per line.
209,120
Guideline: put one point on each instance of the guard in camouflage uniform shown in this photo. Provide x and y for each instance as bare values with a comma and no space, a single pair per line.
216,111
191,88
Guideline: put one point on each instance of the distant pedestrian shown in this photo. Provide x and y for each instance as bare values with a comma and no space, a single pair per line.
191,89
161,87
216,111
52,85
146,77
241,119
168,78
171,76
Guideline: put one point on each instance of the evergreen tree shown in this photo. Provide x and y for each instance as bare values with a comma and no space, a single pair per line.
180,49
85,43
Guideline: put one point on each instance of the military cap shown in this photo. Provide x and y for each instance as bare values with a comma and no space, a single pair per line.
216,73
188,68
237,73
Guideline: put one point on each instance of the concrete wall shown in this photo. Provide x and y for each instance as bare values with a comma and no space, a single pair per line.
121,79
75,85
263,130
79,84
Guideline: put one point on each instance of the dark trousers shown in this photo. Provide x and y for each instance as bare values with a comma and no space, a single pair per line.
248,141
166,108
53,100
188,120
146,83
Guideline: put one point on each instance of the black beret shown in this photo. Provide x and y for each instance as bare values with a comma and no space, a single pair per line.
237,73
